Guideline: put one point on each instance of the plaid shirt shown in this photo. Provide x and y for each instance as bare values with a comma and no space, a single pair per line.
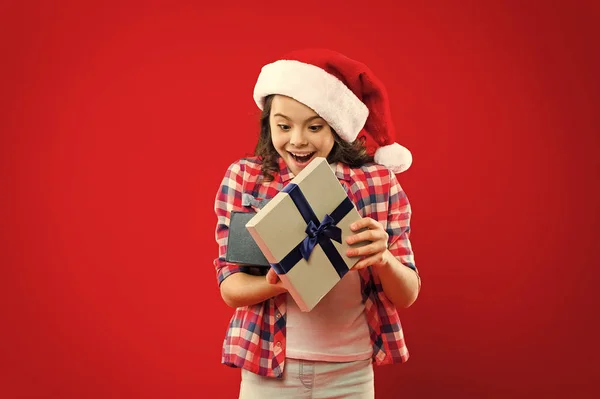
255,339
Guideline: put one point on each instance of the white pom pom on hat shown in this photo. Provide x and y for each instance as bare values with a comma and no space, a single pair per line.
342,91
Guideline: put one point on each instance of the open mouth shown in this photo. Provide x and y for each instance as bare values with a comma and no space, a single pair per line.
302,158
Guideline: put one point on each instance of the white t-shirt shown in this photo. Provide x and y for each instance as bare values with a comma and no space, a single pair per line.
335,330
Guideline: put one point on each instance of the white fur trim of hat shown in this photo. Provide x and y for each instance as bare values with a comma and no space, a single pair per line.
334,101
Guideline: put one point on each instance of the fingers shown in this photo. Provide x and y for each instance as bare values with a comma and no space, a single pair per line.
272,277
365,223
275,281
373,231
368,235
376,259
372,253
373,248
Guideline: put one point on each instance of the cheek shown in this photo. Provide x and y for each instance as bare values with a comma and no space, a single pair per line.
277,139
328,142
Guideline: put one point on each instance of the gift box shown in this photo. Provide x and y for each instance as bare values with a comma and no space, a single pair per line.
241,247
302,232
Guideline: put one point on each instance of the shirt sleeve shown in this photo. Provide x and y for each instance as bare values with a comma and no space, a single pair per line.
230,190
398,226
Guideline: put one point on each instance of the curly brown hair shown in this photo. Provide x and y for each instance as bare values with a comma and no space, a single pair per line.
352,154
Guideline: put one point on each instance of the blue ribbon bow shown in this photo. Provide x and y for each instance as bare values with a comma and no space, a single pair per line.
321,234
327,228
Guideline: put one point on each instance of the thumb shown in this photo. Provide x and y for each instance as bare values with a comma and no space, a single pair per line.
272,277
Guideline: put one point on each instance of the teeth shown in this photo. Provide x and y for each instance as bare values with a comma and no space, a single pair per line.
302,157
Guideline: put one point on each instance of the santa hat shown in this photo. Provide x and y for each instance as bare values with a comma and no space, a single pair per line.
344,92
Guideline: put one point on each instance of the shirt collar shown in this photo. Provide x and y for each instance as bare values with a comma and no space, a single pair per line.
341,170
285,174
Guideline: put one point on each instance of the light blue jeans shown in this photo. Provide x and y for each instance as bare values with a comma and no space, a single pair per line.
303,379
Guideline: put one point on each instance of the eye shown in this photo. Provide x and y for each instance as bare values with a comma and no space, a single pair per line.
315,128
283,127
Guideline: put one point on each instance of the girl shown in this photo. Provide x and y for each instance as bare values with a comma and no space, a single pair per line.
319,103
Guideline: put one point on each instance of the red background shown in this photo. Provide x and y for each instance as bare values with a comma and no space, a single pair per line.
118,123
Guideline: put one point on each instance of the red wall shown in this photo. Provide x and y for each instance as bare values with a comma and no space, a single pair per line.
117,124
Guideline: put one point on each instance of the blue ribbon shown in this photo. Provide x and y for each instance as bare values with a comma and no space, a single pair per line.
317,232
327,228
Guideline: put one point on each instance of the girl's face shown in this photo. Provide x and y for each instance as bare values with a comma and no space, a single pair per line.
298,133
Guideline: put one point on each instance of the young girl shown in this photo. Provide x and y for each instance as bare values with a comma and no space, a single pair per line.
319,103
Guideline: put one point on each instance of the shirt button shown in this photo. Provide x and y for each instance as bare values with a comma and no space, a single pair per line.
277,316
278,345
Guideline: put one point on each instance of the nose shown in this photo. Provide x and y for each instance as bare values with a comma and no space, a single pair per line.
298,138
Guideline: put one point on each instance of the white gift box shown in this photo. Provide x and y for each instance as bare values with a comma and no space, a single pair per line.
313,209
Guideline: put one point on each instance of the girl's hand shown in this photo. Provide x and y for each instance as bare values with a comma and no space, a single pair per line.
273,279
373,254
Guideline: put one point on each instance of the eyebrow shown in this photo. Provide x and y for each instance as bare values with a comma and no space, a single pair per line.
289,119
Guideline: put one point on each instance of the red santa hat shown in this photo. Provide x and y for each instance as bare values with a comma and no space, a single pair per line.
342,91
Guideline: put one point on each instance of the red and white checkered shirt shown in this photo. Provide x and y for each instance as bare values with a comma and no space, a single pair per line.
256,339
